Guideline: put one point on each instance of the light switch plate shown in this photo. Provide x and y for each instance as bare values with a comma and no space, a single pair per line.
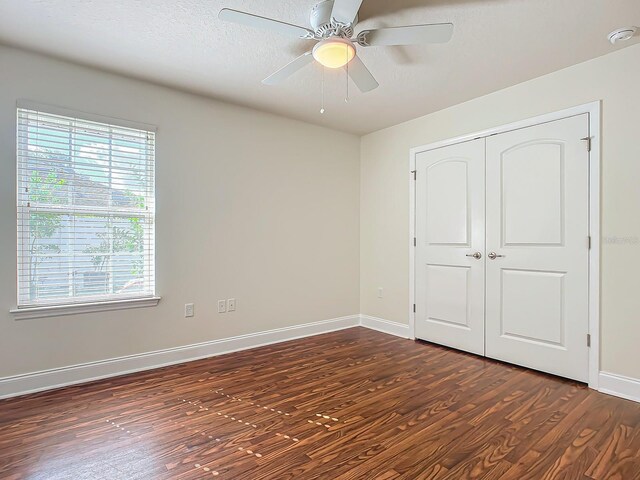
188,310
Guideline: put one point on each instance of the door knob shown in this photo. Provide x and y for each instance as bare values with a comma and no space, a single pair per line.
494,255
476,255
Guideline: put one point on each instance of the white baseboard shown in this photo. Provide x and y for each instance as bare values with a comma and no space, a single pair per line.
385,326
609,383
65,376
619,386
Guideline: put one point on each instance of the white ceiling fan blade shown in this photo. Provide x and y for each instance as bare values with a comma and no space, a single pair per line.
345,11
256,21
289,69
411,35
361,75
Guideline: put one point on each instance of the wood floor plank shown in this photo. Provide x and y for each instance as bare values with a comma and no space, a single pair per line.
353,404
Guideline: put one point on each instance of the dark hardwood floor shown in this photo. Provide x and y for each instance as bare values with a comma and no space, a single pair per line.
345,405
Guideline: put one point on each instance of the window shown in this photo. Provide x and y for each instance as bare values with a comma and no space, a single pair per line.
86,210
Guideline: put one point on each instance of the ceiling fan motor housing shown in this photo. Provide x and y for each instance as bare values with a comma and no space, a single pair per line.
323,25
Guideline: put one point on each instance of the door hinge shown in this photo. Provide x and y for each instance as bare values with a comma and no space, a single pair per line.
588,140
414,172
414,308
588,339
589,241
415,241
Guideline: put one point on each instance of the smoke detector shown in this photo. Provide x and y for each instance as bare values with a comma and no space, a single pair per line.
622,34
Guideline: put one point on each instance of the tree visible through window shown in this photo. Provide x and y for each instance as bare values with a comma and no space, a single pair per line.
86,210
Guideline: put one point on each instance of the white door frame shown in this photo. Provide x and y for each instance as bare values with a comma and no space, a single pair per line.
593,109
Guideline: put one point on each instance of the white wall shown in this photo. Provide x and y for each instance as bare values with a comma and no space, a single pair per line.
248,206
614,79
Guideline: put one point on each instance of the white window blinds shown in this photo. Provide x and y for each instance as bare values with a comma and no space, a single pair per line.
86,210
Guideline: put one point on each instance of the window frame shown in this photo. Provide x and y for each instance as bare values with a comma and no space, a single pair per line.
78,304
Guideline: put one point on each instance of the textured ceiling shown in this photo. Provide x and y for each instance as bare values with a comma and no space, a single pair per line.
181,43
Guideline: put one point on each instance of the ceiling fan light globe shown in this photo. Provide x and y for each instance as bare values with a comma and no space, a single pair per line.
334,52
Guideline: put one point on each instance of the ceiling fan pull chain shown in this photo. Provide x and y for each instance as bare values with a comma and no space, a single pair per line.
322,88
346,99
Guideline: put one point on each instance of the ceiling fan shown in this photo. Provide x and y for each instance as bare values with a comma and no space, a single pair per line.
332,26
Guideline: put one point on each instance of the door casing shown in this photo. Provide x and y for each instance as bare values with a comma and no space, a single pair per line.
593,110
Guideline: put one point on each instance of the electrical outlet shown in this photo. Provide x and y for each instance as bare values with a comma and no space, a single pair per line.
380,292
188,310
222,306
231,305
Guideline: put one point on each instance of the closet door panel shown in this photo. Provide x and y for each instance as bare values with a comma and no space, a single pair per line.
449,231
537,226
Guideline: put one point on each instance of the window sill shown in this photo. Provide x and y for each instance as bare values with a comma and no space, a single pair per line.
74,309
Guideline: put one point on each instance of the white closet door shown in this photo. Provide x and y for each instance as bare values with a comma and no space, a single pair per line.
450,228
538,224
